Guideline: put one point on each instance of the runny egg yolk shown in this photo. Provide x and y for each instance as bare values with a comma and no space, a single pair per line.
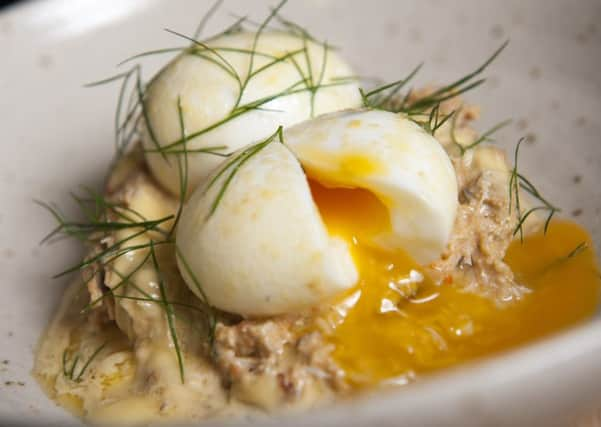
397,323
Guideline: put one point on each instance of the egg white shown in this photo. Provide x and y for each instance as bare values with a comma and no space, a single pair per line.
204,82
265,249
397,161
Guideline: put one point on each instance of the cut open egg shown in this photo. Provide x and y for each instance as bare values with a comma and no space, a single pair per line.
275,228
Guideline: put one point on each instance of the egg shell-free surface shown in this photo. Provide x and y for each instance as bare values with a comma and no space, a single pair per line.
57,135
392,157
263,249
208,88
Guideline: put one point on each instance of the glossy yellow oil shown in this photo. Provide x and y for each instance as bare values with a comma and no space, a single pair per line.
391,336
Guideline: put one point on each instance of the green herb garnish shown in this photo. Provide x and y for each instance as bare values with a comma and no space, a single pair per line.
518,182
69,373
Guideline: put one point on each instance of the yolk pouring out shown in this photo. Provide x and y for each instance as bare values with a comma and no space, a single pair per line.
402,324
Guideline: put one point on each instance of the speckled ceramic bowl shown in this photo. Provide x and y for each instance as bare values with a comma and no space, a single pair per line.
57,135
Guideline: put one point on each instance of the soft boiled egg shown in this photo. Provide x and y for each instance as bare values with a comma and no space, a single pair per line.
401,166
264,250
278,229
232,93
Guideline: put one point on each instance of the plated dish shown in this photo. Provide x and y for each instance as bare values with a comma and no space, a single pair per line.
363,239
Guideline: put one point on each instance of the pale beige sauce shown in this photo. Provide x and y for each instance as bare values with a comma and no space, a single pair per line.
136,377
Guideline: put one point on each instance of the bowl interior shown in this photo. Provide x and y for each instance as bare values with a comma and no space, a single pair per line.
57,135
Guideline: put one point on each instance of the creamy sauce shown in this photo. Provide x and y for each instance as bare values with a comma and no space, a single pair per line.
397,323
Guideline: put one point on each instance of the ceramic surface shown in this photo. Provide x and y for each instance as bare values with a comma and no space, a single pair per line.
57,135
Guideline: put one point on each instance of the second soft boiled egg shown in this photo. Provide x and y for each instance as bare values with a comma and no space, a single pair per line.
274,228
234,90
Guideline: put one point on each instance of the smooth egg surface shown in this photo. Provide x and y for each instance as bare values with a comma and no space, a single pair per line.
233,92
265,250
254,239
395,160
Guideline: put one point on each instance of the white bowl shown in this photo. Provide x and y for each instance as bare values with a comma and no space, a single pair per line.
57,135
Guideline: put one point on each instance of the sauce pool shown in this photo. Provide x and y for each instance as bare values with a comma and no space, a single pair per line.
399,324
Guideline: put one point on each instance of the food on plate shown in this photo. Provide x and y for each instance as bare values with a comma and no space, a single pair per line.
403,175
271,236
225,92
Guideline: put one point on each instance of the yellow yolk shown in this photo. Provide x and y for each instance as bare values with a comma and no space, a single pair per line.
398,323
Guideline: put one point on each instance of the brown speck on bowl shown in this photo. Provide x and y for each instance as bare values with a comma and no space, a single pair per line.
8,253
530,138
45,61
6,28
9,177
415,35
441,58
494,81
462,18
535,73
391,28
585,35
521,124
577,212
497,32
577,179
517,18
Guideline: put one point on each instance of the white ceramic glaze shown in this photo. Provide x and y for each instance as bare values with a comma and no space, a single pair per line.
57,135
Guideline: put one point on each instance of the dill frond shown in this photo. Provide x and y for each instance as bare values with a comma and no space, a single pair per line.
232,166
295,29
224,62
182,166
579,249
214,150
454,89
234,28
386,97
169,314
254,49
99,225
211,316
435,120
70,373
381,96
291,90
83,230
103,217
207,17
518,182
152,53
485,137
128,119
125,279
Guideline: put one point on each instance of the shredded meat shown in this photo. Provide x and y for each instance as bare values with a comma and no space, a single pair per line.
266,363
274,362
483,228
